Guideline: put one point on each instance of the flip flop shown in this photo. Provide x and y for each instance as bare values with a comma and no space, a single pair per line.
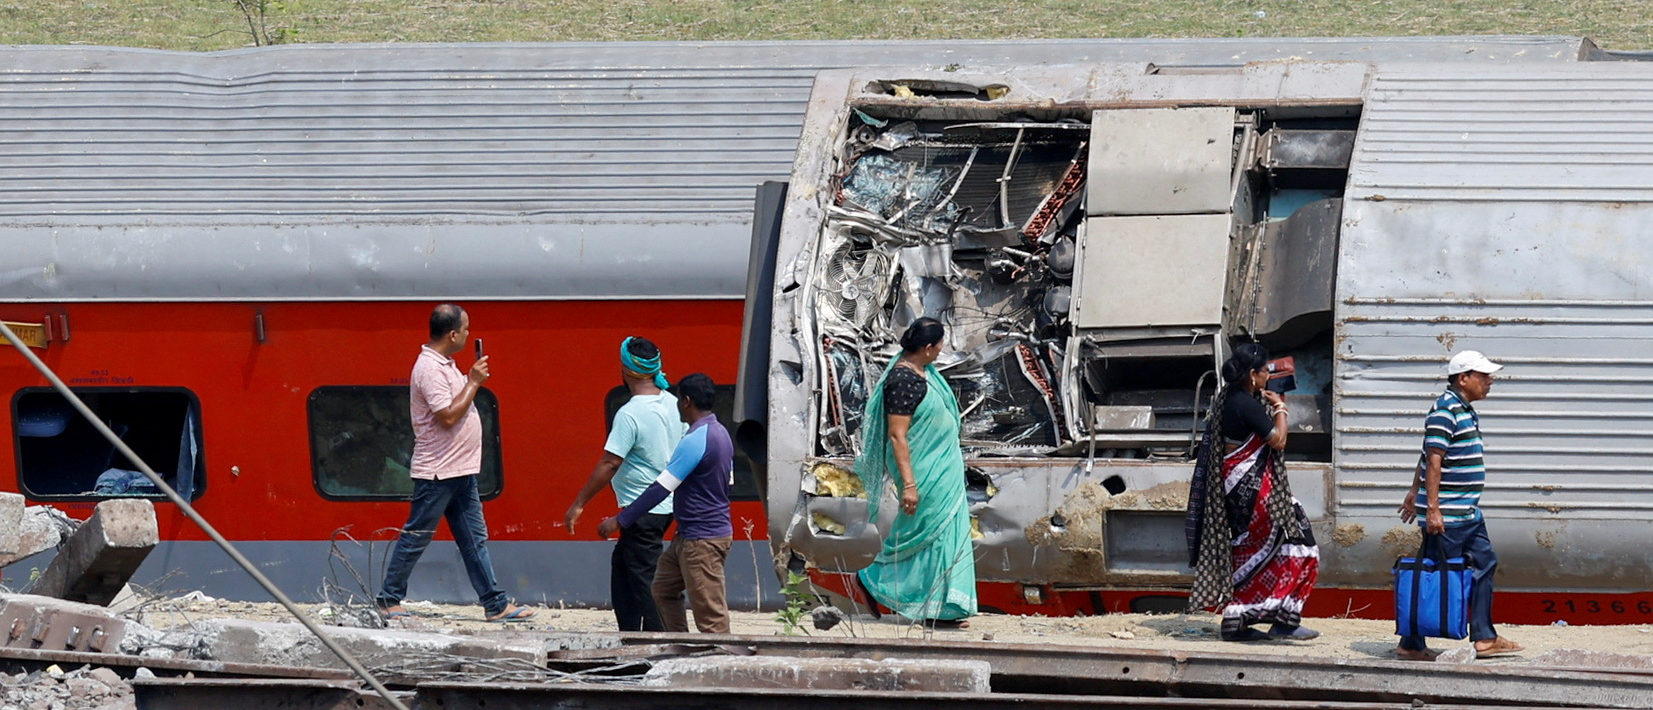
516,613
395,612
948,623
1423,655
1294,633
1245,634
1500,647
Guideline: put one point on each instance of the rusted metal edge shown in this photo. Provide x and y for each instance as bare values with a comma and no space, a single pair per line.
34,658
464,696
1076,669
258,694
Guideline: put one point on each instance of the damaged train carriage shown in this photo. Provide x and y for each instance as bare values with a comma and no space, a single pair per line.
1096,237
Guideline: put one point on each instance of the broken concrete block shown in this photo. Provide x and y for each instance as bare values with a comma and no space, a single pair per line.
42,528
577,641
826,617
290,644
100,557
11,523
952,676
1461,654
125,600
57,625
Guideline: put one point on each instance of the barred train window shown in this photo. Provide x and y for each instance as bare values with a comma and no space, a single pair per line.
60,456
361,442
746,481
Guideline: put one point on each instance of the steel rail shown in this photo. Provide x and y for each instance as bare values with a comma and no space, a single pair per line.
182,694
1079,669
477,696
193,515
125,665
258,694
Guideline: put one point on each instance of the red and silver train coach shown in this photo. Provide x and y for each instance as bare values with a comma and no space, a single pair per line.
231,257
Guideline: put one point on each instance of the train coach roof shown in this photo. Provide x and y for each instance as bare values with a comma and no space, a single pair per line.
582,170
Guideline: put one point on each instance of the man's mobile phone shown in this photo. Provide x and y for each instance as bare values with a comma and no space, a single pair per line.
479,348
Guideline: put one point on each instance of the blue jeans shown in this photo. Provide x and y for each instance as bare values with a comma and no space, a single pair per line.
456,500
1470,542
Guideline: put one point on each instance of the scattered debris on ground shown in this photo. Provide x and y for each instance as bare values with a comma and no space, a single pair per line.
452,643
84,688
63,654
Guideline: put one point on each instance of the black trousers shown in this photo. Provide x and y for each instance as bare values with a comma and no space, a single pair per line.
631,573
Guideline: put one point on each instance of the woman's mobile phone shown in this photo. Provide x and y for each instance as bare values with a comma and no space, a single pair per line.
479,348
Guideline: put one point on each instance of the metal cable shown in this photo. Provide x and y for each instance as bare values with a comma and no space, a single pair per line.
189,511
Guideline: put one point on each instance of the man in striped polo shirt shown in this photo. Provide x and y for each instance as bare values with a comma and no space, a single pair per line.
1451,474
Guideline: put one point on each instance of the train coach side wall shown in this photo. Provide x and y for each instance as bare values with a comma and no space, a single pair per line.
1504,210
553,365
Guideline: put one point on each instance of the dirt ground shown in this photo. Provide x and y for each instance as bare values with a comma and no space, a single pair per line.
1340,638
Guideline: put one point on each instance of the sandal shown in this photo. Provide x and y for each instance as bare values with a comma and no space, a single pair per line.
1244,634
1500,647
947,623
512,613
1293,633
1418,654
395,612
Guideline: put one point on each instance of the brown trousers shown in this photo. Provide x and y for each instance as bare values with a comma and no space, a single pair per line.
697,567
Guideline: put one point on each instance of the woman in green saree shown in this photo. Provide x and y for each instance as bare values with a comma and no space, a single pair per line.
926,569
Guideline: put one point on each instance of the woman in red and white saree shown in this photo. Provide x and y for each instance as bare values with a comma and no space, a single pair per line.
1249,542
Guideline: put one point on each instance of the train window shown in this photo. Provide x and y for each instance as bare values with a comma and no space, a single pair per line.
361,442
60,456
746,480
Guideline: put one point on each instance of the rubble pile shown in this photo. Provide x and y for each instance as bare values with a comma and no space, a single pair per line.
85,688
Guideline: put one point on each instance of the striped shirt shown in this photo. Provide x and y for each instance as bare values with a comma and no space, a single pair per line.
1453,429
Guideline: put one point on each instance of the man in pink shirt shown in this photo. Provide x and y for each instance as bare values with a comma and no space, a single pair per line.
447,456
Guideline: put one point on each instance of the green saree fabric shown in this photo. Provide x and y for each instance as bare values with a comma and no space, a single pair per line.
927,566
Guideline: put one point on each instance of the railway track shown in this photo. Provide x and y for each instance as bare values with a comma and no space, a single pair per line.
1076,670
323,695
1021,676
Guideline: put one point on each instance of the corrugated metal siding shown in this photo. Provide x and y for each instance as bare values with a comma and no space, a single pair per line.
1502,209
456,130
688,141
1461,133
587,170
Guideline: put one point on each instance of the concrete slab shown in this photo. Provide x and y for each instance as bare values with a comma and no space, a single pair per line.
29,621
290,644
101,556
42,528
1593,660
821,674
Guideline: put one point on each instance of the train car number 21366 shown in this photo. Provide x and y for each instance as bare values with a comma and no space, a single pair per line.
1593,606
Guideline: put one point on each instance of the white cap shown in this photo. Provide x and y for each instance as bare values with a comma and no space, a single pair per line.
1467,360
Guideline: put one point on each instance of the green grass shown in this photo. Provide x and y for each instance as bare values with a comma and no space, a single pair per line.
204,25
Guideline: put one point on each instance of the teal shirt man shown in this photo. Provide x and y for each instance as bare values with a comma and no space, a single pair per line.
639,445
645,432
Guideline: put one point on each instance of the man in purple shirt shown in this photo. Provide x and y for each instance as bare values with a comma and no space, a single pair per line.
698,479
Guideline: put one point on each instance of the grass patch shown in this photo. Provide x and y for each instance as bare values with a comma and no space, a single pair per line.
203,25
